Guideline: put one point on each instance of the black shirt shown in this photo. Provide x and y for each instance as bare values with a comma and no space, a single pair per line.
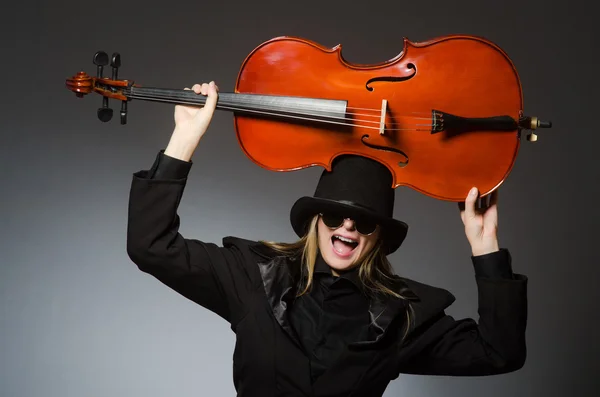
334,312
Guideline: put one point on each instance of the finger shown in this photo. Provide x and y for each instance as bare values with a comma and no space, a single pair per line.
493,208
494,198
196,88
488,201
481,203
211,101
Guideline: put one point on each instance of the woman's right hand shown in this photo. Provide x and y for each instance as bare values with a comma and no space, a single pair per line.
191,122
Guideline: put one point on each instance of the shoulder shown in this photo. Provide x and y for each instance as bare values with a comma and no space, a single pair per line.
430,295
238,242
250,249
429,302
246,253
265,265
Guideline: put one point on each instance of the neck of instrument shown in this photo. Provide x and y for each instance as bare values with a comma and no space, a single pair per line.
314,109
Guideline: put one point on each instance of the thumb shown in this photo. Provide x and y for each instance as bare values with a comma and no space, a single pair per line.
470,204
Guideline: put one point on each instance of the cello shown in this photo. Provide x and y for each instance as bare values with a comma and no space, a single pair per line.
443,116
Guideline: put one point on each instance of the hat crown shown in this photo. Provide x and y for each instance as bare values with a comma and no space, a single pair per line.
360,181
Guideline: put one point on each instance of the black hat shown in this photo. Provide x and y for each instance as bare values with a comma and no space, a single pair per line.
356,186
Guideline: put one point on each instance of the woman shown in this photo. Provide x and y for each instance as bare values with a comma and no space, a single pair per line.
326,316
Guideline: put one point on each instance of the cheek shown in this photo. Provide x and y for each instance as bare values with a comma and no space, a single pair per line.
369,242
322,234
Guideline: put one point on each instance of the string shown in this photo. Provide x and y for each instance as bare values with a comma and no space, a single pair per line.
188,94
233,108
186,99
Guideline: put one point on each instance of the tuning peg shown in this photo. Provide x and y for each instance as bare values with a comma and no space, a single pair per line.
105,113
123,112
115,63
100,60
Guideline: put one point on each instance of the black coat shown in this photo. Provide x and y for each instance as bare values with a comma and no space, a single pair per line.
249,287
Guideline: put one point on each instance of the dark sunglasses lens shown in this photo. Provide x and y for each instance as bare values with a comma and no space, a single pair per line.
332,220
363,226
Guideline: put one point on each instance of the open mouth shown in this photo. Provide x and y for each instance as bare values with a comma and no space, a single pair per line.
343,245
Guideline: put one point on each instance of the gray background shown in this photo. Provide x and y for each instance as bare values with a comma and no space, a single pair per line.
76,316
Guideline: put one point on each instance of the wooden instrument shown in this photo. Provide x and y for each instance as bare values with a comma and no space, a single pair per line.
443,115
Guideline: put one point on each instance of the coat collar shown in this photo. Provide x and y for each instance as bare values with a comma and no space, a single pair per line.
321,267
280,276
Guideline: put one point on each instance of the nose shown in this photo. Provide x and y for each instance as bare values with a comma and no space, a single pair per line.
349,224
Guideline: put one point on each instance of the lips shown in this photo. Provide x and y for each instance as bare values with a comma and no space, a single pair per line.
343,246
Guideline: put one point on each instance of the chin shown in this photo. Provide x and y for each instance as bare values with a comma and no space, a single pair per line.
339,264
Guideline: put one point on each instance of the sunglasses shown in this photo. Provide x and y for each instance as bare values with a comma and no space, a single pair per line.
364,226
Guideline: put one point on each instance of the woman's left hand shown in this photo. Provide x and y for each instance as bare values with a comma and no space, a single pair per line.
481,224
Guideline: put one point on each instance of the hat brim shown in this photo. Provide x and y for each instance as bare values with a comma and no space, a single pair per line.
393,231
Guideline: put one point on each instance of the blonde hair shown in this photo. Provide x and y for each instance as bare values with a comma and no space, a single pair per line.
375,271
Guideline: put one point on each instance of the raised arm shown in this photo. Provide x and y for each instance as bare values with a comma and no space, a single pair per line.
210,275
493,344
496,342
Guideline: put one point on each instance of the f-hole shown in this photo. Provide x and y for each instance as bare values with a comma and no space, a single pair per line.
410,66
401,164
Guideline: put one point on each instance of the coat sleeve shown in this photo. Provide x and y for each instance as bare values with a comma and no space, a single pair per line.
495,344
212,276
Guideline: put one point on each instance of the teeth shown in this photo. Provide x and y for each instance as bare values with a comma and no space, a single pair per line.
345,239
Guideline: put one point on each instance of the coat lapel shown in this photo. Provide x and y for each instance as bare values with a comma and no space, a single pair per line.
279,281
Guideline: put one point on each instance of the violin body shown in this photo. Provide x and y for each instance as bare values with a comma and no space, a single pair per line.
443,115
460,75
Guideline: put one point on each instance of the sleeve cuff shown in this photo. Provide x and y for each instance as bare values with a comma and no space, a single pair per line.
495,265
166,167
